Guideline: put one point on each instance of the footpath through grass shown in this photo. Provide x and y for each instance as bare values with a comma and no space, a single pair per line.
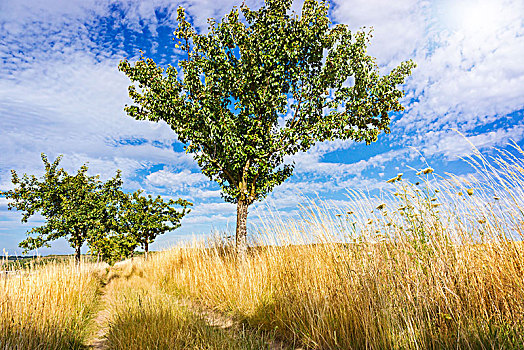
143,316
90,306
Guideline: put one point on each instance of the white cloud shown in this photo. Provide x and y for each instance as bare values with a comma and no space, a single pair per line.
164,178
196,192
399,26
224,208
76,109
3,203
468,74
468,79
452,145
211,213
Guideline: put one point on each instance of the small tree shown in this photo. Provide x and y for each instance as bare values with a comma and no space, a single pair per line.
111,243
113,247
74,206
248,93
145,218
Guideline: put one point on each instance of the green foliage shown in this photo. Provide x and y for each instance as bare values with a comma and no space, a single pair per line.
74,206
84,209
144,218
251,92
113,247
138,220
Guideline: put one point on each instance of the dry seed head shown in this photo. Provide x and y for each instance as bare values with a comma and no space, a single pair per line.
396,178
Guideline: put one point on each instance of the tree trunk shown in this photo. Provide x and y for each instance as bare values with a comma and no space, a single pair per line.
77,254
241,234
146,246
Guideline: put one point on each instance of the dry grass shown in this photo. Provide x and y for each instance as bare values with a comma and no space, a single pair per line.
142,316
434,265
48,307
438,264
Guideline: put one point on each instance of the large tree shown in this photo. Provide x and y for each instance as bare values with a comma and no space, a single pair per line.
261,85
74,206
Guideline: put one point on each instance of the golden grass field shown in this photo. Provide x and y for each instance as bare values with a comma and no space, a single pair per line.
438,264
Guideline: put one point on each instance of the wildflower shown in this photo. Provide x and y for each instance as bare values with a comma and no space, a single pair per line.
460,193
428,170
481,221
469,191
381,206
370,221
496,198
396,178
350,212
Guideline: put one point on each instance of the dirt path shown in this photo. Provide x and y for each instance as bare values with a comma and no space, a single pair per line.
219,320
124,279
97,340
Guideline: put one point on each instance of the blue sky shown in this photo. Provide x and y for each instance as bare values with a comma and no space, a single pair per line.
61,93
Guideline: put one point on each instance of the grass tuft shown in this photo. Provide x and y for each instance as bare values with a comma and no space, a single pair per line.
48,307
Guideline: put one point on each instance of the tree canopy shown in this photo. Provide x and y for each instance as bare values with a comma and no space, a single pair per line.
146,217
74,206
84,209
261,85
